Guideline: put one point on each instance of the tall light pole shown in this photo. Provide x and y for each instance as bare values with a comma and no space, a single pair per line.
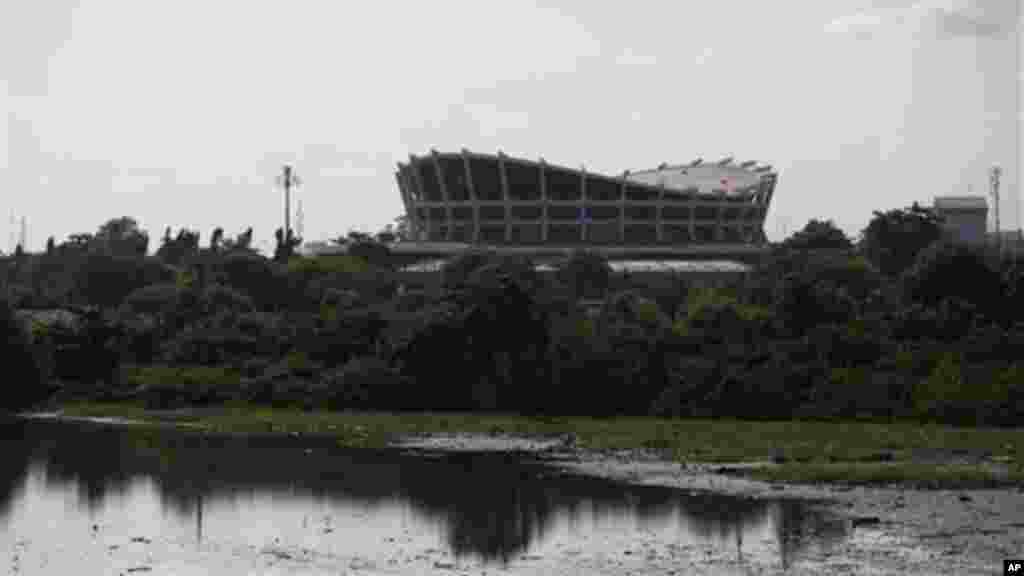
288,179
994,173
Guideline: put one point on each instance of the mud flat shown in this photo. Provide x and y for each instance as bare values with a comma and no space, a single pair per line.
891,529
895,529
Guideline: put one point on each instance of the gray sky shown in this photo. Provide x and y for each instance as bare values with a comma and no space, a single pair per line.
180,113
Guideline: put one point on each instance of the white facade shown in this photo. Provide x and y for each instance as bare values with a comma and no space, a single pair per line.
703,178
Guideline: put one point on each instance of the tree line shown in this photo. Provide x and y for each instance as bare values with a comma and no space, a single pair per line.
824,327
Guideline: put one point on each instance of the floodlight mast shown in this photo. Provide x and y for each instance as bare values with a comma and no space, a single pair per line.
994,174
288,179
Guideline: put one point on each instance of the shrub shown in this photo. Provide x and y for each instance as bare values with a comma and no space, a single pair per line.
958,393
174,386
212,346
154,299
24,378
587,274
364,382
456,271
218,297
299,363
311,266
939,274
106,280
376,254
264,281
934,396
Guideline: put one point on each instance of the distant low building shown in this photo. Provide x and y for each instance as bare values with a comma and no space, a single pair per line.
965,218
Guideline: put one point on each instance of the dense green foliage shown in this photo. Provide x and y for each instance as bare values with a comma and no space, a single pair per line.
821,329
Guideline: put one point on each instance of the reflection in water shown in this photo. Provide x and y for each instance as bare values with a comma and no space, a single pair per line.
489,506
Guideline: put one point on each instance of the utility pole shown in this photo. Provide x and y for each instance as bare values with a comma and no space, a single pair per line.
994,173
288,179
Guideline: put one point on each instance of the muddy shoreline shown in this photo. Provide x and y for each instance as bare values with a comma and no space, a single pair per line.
892,530
907,530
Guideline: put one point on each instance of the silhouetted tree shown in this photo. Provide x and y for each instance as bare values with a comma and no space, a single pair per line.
122,237
587,274
216,239
892,240
178,250
953,270
24,383
817,235
286,246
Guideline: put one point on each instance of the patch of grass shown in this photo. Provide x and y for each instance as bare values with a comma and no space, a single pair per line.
329,264
825,449
174,376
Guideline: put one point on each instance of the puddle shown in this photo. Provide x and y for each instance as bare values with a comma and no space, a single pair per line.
81,497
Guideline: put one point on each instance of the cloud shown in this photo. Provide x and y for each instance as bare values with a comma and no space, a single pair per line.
629,57
704,56
973,19
861,25
941,18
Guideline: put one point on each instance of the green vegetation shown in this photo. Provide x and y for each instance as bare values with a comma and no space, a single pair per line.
822,333
847,452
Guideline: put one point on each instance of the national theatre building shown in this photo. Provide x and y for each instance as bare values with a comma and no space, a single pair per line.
500,200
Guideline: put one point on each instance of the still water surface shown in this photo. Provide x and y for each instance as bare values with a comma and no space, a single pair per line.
79,496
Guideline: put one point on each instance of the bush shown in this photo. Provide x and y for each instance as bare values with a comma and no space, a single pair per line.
364,382
23,376
956,393
213,346
218,297
940,272
164,387
264,281
312,266
456,271
155,299
586,274
376,254
106,280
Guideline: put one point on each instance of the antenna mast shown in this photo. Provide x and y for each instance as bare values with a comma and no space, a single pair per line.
299,220
994,173
288,179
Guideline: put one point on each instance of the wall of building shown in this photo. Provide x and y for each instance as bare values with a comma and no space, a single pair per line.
966,225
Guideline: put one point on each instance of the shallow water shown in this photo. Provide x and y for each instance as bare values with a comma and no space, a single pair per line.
89,498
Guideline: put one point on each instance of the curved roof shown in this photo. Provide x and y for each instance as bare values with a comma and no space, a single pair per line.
721,177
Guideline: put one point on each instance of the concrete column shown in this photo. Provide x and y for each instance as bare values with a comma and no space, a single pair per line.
472,195
407,200
503,174
445,193
544,202
622,207
694,199
421,194
719,229
659,223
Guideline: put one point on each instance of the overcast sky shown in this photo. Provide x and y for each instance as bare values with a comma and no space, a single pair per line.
181,113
